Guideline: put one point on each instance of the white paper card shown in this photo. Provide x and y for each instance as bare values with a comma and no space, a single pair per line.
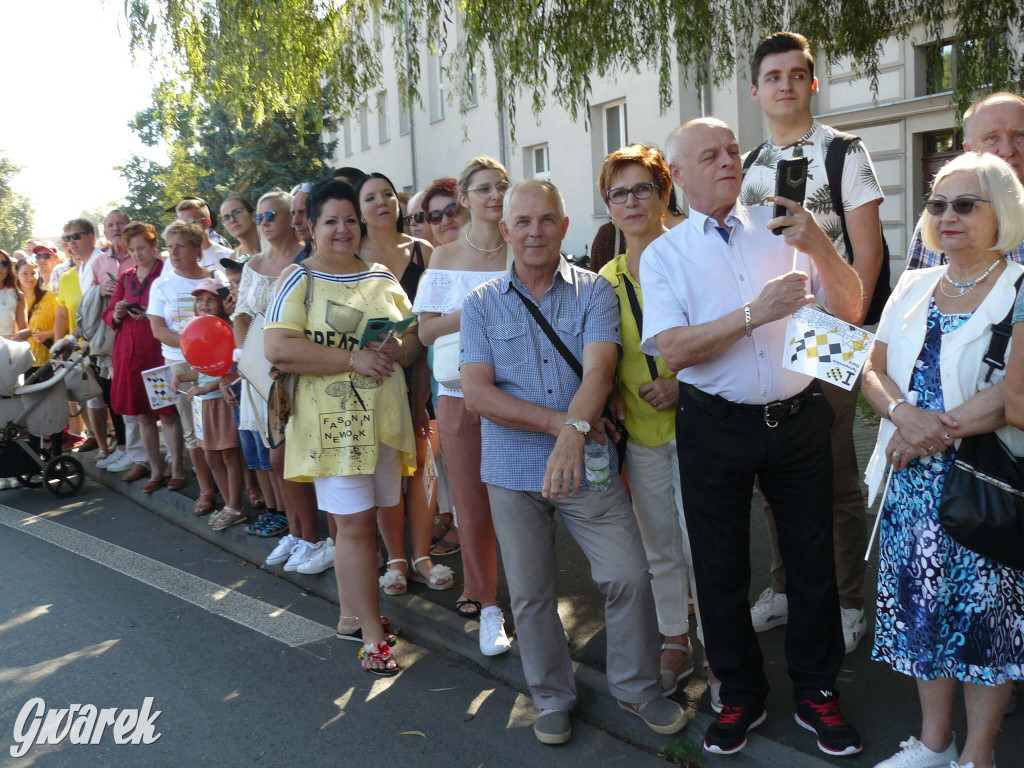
826,347
197,417
158,387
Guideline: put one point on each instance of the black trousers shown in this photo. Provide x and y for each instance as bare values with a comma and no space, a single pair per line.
722,451
115,418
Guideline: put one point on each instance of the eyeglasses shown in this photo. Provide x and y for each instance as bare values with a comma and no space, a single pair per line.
43,256
486,190
640,191
451,211
304,187
268,217
420,217
235,215
76,236
961,205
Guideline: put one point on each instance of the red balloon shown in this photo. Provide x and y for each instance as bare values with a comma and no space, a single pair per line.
208,344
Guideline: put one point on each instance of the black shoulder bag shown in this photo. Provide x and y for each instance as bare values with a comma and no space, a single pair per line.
983,497
572,361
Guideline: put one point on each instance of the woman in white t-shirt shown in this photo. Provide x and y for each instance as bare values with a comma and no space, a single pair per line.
171,307
12,302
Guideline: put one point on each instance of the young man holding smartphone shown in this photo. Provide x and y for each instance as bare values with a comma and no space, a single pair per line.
783,82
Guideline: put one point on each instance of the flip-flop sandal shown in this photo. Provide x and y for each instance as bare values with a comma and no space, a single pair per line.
356,636
440,577
474,608
380,654
443,548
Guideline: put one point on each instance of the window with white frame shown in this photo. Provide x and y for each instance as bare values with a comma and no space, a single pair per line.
404,123
614,124
364,126
346,135
472,97
537,165
382,117
435,87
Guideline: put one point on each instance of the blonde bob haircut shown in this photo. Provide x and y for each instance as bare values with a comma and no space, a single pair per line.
644,155
193,233
999,185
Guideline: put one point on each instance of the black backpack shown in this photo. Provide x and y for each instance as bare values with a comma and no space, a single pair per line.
835,159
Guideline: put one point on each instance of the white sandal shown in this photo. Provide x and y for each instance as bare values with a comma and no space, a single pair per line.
669,679
393,580
440,577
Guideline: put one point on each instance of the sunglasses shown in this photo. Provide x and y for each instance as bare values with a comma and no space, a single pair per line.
451,211
961,205
5,263
76,236
304,187
486,190
43,256
640,191
268,217
235,215
420,217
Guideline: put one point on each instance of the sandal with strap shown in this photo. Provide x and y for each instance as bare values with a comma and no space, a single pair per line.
379,654
440,577
393,581
474,608
441,527
204,504
670,679
444,547
356,635
256,500
226,517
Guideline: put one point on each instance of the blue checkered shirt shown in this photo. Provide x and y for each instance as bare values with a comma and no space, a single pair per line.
919,257
498,329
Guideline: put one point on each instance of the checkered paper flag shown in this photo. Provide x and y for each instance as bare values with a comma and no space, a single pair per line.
825,347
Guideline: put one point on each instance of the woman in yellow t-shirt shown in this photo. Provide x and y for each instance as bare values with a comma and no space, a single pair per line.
350,431
40,308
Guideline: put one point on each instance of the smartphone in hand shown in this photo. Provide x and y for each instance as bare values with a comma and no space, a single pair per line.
790,183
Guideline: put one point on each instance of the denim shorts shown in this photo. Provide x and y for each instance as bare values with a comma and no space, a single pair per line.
257,455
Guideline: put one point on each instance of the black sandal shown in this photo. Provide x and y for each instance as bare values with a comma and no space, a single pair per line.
474,608
440,528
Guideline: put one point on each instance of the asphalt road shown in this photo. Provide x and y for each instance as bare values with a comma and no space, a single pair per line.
105,603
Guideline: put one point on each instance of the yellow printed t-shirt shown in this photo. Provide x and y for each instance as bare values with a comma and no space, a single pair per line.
339,420
69,295
646,426
41,316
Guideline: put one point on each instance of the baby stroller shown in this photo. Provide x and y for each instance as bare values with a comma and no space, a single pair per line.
38,406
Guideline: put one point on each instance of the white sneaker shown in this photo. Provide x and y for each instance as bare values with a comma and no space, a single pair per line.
301,552
321,558
112,457
283,550
122,463
771,610
6,483
853,627
493,640
914,754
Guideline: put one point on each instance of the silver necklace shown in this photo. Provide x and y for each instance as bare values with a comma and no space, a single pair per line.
965,288
483,250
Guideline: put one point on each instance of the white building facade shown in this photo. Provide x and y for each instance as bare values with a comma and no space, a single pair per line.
908,127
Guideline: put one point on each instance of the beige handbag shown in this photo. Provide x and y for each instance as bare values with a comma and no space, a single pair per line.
446,361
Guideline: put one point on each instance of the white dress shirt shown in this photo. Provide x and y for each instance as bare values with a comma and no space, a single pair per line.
691,276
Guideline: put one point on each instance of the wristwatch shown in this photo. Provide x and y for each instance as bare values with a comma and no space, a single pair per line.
581,426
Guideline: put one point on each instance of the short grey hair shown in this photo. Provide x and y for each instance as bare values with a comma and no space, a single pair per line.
539,184
999,185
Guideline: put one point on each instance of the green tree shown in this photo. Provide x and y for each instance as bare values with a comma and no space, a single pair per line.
266,57
16,212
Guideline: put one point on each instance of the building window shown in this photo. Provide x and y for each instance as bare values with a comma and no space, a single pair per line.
346,135
472,98
364,126
614,126
939,72
382,117
435,87
537,165
404,123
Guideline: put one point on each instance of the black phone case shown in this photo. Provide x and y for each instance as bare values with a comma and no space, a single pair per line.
790,183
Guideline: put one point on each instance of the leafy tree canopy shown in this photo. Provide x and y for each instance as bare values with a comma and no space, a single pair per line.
16,212
264,57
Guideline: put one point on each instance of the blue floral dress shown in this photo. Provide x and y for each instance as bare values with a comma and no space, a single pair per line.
943,610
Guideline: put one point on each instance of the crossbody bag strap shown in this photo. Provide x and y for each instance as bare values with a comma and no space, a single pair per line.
638,315
545,326
1001,332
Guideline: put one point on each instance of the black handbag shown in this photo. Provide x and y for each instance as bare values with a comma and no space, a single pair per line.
983,497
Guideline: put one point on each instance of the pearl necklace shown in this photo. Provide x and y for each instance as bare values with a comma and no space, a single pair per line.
965,288
483,250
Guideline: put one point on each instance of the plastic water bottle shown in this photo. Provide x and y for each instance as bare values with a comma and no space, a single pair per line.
595,461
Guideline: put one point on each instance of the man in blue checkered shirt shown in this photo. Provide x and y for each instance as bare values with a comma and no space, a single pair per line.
537,414
995,125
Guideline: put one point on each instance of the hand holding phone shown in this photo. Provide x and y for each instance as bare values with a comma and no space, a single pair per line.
790,183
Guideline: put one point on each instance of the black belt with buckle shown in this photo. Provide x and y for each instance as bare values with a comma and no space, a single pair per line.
773,414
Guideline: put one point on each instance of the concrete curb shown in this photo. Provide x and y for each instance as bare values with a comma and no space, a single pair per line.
433,626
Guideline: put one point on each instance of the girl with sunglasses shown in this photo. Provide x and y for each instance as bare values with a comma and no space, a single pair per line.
384,242
12,301
446,216
478,255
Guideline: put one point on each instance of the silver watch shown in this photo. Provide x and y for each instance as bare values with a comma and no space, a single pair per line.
581,426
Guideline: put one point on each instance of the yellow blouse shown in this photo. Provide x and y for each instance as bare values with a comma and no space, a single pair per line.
41,316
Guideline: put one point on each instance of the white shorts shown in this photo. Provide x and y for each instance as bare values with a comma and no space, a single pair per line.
349,494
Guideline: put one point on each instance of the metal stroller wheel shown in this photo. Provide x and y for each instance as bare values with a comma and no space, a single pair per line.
64,475
34,479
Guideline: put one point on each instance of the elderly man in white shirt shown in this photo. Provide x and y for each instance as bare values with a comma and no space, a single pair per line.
718,290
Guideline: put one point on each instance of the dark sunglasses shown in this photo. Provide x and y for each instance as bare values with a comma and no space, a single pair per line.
43,255
304,187
451,211
961,205
76,236
268,217
420,217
